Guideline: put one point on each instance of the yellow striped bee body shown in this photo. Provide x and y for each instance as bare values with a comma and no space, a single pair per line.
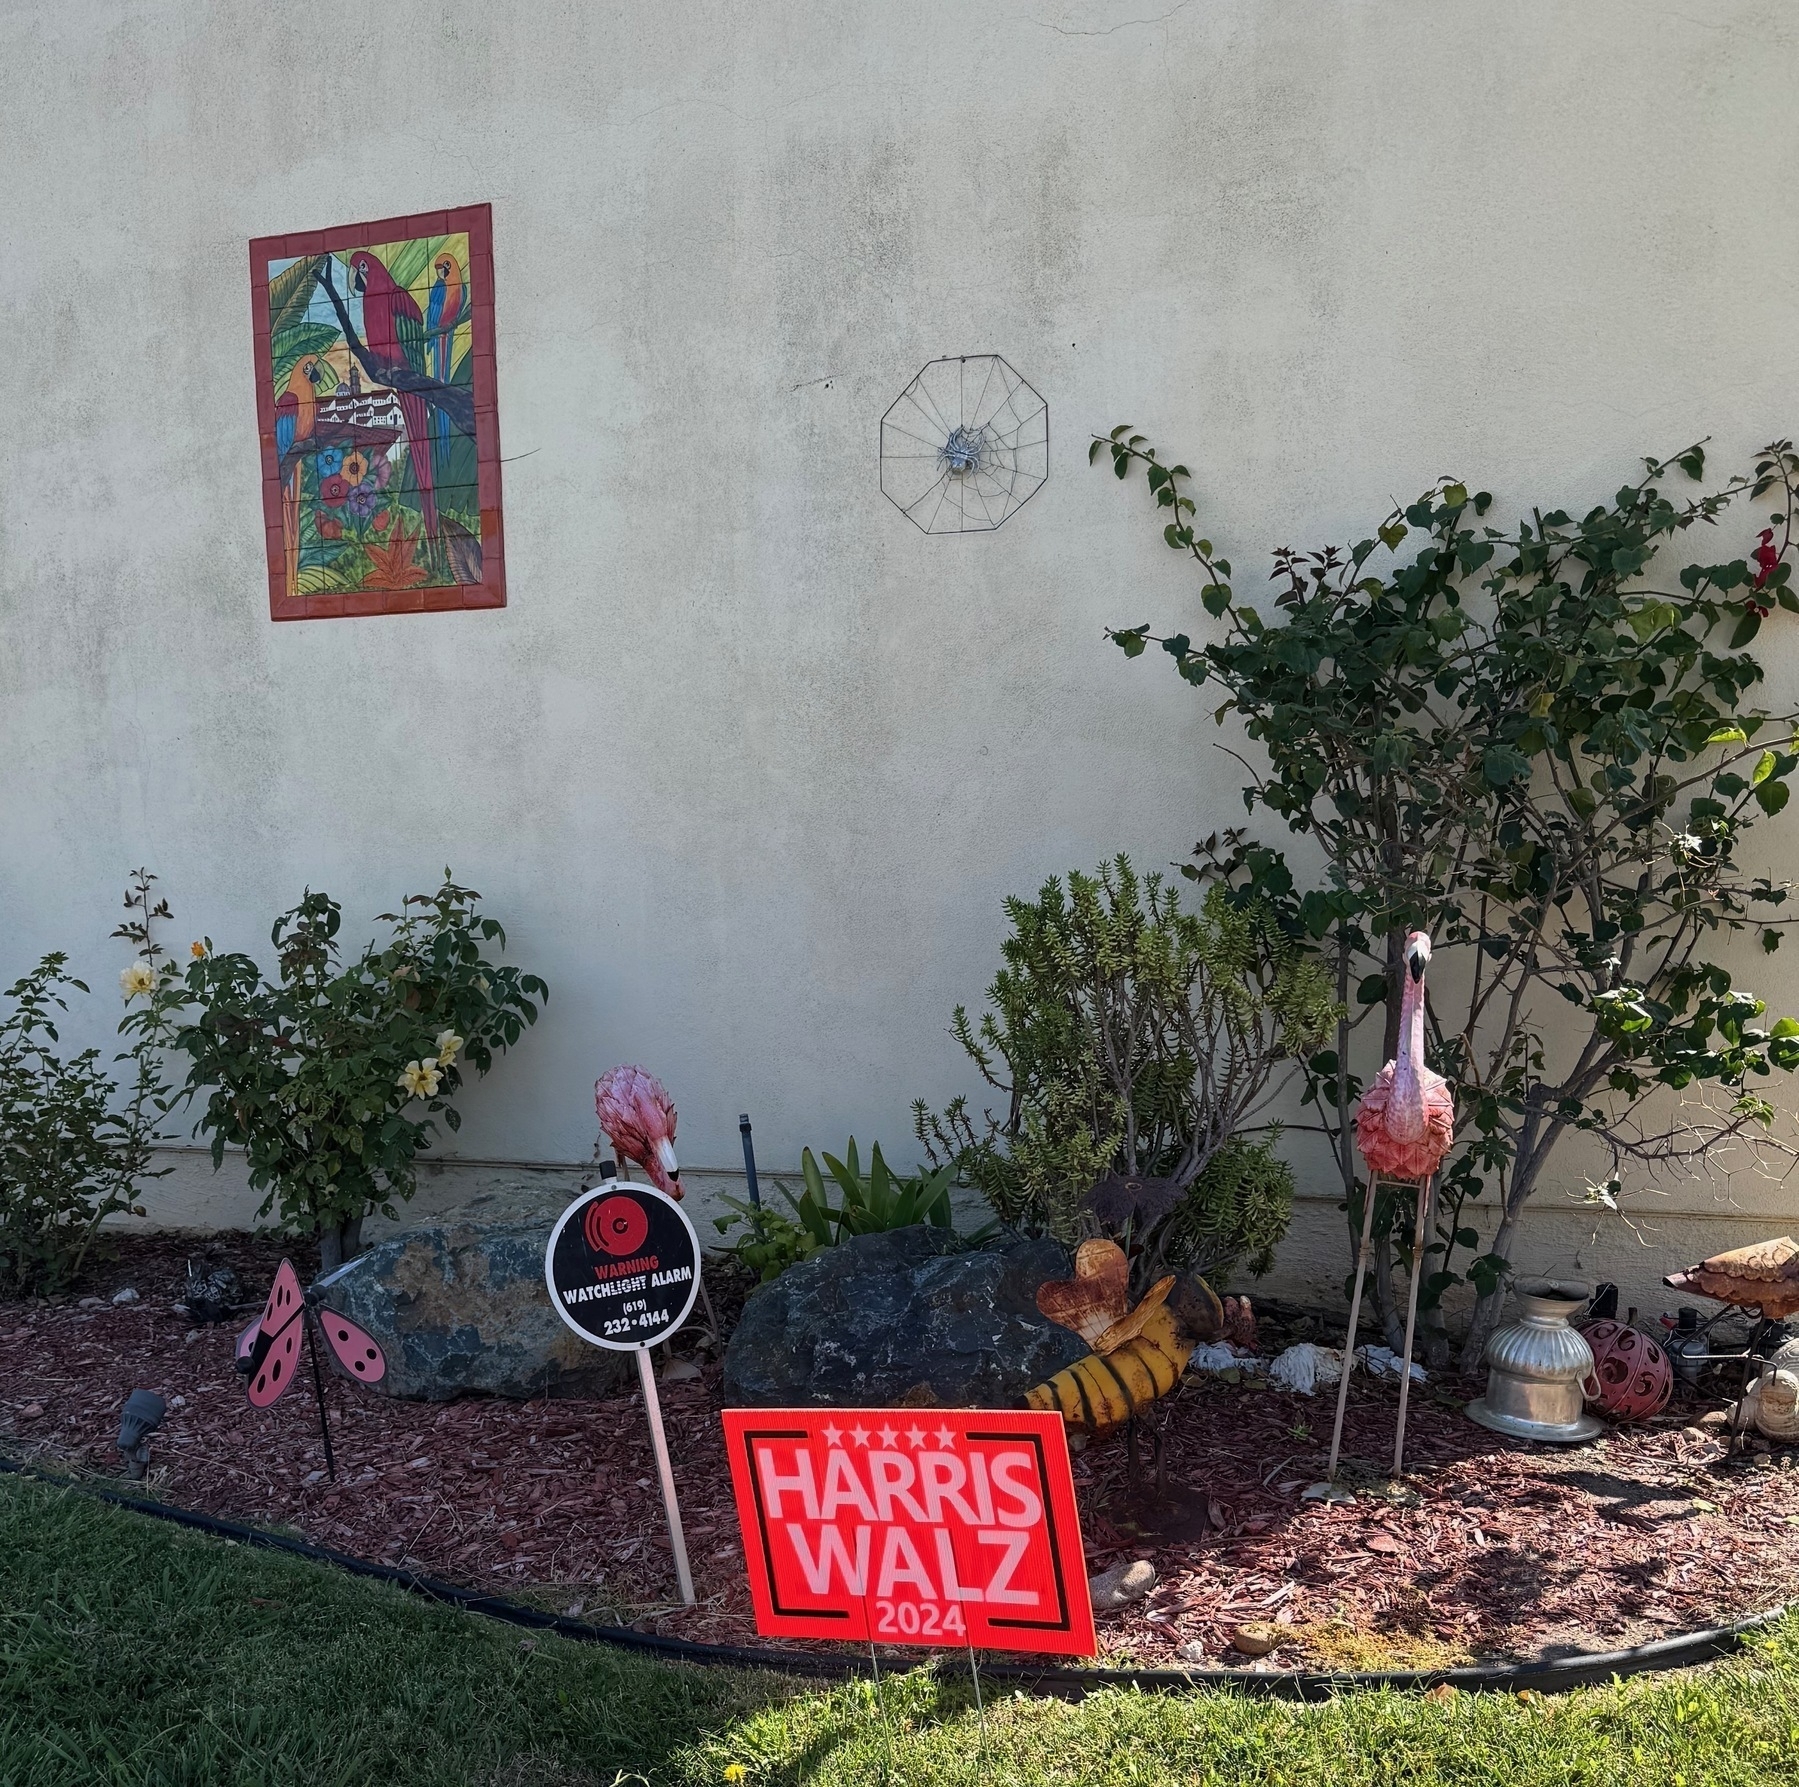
1138,1354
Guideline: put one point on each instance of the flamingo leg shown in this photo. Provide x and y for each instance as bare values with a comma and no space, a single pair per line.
1363,1254
1427,1193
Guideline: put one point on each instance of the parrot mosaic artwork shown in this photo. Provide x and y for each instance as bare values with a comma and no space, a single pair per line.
381,467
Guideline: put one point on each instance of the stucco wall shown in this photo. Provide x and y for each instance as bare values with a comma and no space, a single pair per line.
748,762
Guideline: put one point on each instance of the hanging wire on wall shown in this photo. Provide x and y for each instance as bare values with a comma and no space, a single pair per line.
965,445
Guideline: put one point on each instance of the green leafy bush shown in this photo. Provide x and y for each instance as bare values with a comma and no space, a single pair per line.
71,1153
330,1076
1135,1043
873,1203
1541,743
1235,1214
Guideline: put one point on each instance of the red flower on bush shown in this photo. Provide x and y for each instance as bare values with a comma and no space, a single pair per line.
330,528
1766,558
333,490
381,521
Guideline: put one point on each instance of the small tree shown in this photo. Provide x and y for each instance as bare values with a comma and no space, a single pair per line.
1530,744
330,1076
1136,1043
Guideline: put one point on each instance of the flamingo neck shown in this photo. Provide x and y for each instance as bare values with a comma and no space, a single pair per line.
1408,1064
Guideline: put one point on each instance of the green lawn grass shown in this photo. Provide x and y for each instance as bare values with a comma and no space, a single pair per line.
131,1651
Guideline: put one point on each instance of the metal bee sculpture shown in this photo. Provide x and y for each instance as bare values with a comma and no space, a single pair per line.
268,1350
1138,1353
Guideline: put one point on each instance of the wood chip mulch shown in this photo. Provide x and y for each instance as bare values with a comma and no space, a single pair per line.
1493,1549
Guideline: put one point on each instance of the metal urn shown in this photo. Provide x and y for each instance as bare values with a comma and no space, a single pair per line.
1536,1366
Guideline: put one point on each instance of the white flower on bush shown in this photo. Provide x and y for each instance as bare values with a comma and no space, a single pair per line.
140,977
448,1042
420,1078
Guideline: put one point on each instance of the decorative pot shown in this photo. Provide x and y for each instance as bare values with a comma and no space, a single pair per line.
1535,1369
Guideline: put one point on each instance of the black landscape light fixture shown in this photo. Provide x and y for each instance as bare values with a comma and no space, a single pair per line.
142,1416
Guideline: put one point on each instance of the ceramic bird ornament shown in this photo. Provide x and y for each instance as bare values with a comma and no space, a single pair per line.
1404,1126
1405,1121
638,1117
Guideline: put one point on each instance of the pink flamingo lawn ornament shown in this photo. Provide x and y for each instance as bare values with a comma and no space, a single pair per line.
1404,1126
638,1117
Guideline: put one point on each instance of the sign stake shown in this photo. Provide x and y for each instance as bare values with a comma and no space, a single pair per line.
646,1375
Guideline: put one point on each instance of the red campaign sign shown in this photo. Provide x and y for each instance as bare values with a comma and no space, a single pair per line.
912,1526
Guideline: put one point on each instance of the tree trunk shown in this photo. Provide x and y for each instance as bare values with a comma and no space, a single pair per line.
338,1246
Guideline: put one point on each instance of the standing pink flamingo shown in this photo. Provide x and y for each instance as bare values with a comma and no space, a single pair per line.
638,1117
1404,1126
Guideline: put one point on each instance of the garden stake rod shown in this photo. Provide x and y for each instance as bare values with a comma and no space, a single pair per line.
1363,1254
318,1386
1427,1197
749,1161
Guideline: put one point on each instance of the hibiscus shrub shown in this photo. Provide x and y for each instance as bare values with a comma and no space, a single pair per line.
331,1076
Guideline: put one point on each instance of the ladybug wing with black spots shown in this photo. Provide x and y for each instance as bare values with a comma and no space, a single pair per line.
274,1343
353,1347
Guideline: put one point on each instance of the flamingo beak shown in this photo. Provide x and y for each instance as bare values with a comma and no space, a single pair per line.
1416,960
665,1158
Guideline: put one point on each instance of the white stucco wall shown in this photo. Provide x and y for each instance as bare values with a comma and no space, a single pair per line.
748,762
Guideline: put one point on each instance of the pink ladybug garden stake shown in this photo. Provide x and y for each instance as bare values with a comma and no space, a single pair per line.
268,1349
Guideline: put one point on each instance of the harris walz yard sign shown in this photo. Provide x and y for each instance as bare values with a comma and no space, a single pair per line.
941,1527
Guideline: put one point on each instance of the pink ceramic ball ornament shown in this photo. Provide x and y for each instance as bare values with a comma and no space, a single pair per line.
1632,1378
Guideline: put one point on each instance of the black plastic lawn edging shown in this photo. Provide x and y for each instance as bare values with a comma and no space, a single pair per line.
1553,1676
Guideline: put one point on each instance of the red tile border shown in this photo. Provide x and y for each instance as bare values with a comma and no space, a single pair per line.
490,592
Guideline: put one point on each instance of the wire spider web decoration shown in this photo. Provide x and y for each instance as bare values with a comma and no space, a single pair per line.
965,445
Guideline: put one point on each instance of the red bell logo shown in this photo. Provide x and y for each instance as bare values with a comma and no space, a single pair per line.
615,1225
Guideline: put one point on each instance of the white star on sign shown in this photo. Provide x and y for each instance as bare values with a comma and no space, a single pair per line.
859,1435
945,1437
914,1437
833,1436
889,1437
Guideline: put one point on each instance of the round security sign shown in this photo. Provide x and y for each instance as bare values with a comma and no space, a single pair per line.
623,1265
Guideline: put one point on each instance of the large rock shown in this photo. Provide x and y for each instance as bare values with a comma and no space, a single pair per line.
461,1308
901,1317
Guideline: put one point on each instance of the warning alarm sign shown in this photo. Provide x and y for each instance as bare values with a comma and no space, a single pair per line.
943,1527
623,1265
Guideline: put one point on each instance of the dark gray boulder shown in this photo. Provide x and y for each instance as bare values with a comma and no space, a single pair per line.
461,1309
903,1317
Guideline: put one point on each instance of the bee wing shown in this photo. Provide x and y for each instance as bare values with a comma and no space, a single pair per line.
274,1342
1096,1297
1128,1327
354,1347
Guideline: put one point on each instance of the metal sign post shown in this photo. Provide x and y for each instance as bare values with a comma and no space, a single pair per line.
623,1269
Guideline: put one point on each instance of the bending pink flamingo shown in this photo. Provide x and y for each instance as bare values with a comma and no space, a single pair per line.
638,1117
1404,1126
